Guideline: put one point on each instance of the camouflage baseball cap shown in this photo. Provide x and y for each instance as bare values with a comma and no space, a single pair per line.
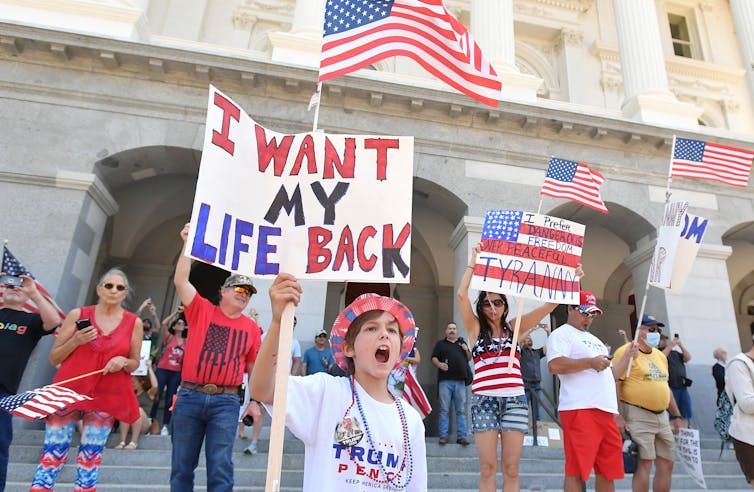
238,279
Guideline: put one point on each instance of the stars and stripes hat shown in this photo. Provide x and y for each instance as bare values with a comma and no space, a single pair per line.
588,302
363,304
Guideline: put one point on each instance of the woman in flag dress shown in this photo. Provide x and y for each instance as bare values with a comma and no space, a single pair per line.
498,402
106,338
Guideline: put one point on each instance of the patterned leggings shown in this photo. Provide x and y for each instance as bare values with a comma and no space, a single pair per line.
58,435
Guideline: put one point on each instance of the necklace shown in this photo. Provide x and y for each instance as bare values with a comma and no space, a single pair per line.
407,457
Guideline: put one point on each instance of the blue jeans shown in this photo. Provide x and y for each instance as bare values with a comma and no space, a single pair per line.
168,380
212,419
6,436
533,402
455,391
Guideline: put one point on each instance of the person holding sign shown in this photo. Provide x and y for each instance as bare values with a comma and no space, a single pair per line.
223,345
358,436
498,402
588,405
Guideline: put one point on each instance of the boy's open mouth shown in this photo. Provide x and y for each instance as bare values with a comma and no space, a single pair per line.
382,354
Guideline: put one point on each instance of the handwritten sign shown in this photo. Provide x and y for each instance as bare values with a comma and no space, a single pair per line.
146,346
689,453
330,207
678,240
529,255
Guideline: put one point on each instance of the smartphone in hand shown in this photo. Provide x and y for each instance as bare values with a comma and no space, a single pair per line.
83,323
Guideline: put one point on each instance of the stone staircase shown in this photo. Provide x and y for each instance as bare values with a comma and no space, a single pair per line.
452,468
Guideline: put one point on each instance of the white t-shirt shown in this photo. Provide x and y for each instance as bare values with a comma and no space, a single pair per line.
318,403
587,388
295,349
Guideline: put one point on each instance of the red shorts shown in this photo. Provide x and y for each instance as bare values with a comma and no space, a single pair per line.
591,440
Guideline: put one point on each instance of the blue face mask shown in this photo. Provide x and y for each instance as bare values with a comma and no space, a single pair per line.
653,339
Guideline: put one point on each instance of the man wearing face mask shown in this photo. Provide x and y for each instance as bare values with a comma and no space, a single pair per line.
646,400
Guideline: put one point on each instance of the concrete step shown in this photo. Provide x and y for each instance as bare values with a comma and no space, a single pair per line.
452,468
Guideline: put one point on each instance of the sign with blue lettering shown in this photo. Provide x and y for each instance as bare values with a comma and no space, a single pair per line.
678,240
319,206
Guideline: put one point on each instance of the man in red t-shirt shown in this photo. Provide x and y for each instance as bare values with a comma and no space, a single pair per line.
222,346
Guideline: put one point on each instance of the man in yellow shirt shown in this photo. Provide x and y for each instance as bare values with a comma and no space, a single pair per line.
645,396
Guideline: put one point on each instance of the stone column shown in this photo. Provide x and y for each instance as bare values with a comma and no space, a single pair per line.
467,233
492,28
645,81
743,15
301,45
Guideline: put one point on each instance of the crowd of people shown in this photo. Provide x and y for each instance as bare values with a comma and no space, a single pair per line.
357,433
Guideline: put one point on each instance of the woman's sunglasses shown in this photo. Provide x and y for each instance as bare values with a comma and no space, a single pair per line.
496,303
118,287
587,314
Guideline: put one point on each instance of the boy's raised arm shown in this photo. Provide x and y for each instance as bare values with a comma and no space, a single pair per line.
283,290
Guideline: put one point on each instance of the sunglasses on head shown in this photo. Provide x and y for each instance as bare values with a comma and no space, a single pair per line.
118,287
587,314
242,289
495,302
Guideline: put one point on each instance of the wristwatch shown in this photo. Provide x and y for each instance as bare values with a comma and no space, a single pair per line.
674,417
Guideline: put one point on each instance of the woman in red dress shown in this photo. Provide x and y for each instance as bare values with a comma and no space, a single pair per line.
107,337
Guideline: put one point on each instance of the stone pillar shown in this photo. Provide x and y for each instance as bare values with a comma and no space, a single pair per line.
645,81
467,233
492,28
743,16
301,45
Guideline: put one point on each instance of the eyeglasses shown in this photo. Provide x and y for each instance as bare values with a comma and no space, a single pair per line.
587,314
496,303
118,287
242,289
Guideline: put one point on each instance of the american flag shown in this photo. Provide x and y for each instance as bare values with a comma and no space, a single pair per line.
39,403
574,181
529,255
708,160
358,33
11,266
414,394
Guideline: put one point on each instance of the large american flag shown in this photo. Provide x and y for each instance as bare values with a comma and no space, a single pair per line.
11,266
39,403
708,160
529,255
574,181
358,33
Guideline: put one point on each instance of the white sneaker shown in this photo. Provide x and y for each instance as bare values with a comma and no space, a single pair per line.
164,431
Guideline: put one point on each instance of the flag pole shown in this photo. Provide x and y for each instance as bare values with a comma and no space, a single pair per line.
60,383
318,95
638,325
541,199
516,327
670,172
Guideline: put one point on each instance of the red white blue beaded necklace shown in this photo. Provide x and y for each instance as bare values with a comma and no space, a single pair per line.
407,461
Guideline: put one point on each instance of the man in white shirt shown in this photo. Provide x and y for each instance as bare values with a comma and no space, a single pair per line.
588,403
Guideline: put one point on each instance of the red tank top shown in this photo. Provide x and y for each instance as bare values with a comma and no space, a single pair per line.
111,393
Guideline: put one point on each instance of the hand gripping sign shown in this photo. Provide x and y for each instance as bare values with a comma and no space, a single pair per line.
319,206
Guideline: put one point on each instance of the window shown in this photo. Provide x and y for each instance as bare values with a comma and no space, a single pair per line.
679,33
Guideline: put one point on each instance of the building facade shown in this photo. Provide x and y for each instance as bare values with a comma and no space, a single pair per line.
102,120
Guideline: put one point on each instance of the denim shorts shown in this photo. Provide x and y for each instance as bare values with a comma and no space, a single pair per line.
499,413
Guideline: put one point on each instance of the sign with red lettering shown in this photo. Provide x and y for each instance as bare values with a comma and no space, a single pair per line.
529,255
319,206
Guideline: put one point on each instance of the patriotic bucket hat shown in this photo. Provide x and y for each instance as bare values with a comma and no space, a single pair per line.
361,305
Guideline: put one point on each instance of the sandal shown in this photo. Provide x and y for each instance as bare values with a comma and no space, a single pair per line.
131,446
121,445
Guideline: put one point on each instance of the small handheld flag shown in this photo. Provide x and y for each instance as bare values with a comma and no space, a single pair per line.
414,394
574,181
39,403
11,266
708,160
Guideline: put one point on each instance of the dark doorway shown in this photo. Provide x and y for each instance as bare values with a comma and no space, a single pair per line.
207,279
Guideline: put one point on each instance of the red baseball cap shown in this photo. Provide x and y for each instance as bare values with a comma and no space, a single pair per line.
588,302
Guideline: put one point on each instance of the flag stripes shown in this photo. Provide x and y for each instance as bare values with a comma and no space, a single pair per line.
712,161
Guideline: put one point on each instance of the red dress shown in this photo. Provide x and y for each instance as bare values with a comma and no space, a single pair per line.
111,393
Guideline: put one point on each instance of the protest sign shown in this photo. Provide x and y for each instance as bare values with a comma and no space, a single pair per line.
678,240
529,255
146,346
689,453
319,206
